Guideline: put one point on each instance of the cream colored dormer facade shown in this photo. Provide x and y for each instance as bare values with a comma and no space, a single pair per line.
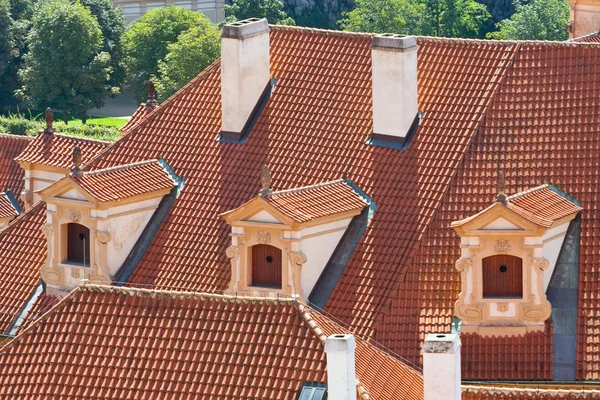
94,219
281,241
508,254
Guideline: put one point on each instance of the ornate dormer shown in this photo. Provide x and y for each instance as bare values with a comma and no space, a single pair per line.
47,158
95,218
508,254
282,240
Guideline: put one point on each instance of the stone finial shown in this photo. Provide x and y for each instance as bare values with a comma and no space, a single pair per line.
265,178
49,130
151,103
76,171
501,197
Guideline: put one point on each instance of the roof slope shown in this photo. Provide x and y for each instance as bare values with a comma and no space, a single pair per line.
22,253
159,344
7,205
11,174
568,392
56,150
125,181
593,37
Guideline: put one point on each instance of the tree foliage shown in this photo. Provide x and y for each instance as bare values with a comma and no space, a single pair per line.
272,10
147,40
194,50
538,20
450,18
112,24
8,54
64,67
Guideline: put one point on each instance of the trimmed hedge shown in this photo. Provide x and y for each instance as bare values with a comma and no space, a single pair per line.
16,124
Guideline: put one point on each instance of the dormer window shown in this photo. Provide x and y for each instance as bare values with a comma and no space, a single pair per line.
508,254
95,219
502,277
266,266
78,244
282,240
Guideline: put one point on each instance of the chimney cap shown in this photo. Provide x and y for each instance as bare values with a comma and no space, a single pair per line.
245,28
448,343
340,343
394,42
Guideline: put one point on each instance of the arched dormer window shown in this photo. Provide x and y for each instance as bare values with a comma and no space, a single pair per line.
78,244
502,276
266,266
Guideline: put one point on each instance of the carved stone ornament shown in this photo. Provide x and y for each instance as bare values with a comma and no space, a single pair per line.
468,312
502,246
74,216
103,237
541,263
503,307
537,313
264,237
463,264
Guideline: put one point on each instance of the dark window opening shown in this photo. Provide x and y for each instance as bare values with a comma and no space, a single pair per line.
266,266
502,277
78,244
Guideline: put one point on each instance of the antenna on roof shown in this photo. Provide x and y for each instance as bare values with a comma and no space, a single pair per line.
501,198
49,130
76,171
265,178
151,103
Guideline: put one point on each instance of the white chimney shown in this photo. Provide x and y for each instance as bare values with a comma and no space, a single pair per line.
394,69
245,72
341,375
441,367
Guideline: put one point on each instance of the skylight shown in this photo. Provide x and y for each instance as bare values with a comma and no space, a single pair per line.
313,391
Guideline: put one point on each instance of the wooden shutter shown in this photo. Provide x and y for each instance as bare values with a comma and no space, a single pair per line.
266,266
78,244
502,276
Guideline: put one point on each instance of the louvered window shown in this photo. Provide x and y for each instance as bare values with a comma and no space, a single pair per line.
502,277
78,244
266,266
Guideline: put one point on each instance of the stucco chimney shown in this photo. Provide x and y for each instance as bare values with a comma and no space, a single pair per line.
394,69
341,375
245,72
441,367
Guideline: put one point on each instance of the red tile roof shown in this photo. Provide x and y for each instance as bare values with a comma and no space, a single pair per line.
317,201
564,392
125,181
153,344
11,173
22,254
139,114
57,150
591,38
7,207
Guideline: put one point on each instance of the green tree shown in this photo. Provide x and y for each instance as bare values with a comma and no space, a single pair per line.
454,18
195,50
272,10
384,16
146,42
112,23
8,55
64,67
538,20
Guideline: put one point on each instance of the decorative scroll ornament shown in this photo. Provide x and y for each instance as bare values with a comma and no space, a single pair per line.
537,313
463,264
468,312
540,263
74,216
103,237
502,246
232,252
264,237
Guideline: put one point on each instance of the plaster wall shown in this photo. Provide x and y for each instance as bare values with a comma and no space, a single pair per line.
394,91
264,216
38,179
74,195
500,224
245,72
585,17
552,242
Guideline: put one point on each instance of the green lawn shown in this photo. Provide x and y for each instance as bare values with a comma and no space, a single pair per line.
58,116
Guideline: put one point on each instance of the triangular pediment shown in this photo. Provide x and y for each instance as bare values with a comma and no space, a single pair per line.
263,216
67,189
257,210
501,224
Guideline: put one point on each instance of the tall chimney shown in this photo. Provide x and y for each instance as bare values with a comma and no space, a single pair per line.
245,72
441,367
341,375
394,69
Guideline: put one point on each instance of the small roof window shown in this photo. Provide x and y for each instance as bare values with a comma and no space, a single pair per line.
313,391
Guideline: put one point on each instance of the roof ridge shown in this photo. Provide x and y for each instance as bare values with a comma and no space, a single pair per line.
82,138
13,136
309,187
120,167
536,389
578,38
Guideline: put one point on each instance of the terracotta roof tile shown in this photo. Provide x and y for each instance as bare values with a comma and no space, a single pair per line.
11,174
7,205
139,114
152,344
529,392
317,201
57,150
591,38
22,253
125,181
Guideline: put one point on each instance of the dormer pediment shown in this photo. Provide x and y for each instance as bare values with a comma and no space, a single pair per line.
501,224
256,212
499,219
